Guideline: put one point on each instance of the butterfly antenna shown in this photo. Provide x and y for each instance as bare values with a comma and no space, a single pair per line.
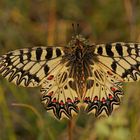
78,28
73,26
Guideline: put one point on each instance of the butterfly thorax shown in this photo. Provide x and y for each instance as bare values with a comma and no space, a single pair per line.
78,45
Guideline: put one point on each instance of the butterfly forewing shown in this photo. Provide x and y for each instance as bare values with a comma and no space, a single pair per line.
121,58
28,67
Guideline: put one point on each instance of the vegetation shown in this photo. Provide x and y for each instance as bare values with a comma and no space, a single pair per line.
28,23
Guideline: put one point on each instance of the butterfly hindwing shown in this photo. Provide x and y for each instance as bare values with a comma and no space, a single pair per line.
59,93
103,91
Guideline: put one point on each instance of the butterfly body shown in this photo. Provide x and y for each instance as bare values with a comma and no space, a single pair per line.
74,75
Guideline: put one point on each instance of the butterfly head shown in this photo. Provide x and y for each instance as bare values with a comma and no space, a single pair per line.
78,41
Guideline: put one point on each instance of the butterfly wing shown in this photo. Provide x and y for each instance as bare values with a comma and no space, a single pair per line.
28,67
121,58
115,63
103,91
45,67
59,93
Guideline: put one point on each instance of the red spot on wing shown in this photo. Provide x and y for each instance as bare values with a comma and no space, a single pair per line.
61,103
110,96
77,108
113,89
110,73
54,100
103,100
95,98
87,98
50,77
76,99
69,100
50,93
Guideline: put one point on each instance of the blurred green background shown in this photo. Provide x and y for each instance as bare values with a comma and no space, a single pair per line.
28,23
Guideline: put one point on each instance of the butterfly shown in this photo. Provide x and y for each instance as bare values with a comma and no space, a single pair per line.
75,75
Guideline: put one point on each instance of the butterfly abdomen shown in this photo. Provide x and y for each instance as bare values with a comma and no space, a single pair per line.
78,54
